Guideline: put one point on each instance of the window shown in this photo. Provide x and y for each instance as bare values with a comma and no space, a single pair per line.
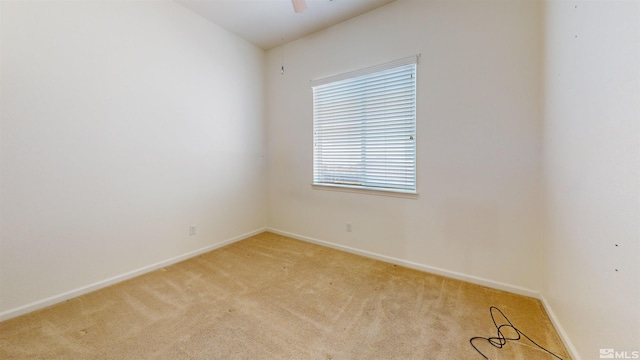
364,128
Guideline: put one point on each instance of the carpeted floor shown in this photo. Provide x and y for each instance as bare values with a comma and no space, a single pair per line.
272,297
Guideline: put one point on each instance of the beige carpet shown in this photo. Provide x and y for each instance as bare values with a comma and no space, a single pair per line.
272,297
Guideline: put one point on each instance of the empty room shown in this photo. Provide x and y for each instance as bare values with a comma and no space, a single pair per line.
320,179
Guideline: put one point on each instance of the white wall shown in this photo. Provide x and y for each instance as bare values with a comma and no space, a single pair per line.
122,124
479,95
591,172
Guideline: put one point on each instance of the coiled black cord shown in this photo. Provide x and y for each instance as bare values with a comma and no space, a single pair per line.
501,340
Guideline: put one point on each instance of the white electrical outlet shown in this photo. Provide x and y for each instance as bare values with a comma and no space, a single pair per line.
192,230
348,226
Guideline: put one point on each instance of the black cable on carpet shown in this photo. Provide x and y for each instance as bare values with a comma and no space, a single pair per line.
501,340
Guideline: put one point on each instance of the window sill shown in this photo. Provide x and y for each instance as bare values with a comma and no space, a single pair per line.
340,188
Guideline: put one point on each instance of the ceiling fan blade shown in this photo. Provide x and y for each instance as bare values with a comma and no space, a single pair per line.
299,5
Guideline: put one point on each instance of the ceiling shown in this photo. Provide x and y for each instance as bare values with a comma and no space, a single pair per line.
270,23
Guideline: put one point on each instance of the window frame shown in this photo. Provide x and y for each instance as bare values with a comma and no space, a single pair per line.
410,190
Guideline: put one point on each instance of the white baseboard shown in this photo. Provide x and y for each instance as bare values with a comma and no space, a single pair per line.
412,265
40,304
563,334
451,274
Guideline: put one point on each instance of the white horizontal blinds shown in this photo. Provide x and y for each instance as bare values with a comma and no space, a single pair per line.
364,129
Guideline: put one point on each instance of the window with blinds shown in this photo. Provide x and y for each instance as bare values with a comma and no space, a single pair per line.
364,128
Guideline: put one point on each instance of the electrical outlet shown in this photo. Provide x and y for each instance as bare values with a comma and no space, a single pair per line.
192,230
348,226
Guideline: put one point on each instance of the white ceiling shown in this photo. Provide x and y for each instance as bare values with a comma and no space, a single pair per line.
270,23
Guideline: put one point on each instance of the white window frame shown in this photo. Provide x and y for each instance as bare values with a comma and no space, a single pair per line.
344,113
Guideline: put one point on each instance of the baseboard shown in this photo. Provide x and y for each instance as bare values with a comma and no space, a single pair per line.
40,304
451,274
563,334
412,265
